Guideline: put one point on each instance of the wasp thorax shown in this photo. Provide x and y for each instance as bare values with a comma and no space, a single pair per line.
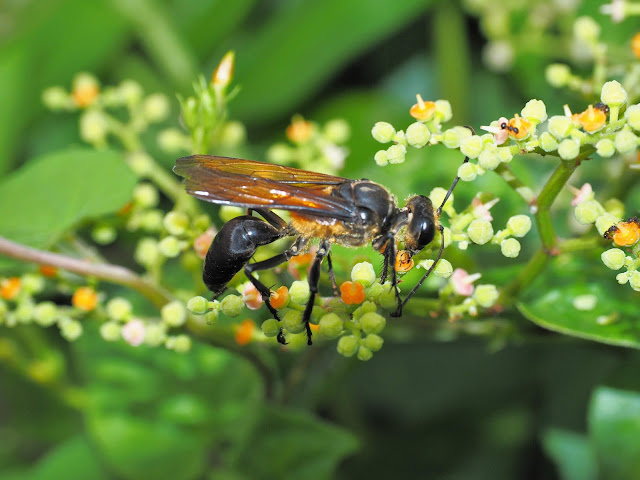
422,226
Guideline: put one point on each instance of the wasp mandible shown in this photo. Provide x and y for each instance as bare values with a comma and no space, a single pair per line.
326,207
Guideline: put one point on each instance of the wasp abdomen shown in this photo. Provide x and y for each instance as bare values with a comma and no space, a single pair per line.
233,247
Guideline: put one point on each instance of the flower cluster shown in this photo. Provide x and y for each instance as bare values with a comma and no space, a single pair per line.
311,146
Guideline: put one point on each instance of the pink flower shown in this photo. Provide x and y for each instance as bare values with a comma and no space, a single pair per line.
463,282
585,193
203,242
133,332
251,297
481,210
500,134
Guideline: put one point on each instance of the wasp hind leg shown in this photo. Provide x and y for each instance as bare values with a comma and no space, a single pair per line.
314,279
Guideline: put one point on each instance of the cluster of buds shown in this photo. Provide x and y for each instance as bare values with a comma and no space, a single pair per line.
204,114
96,124
624,234
312,146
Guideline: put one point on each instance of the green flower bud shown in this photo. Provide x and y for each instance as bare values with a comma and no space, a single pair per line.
170,246
454,136
634,281
176,223
604,221
45,314
141,163
505,154
383,132
130,91
586,29
331,325
110,331
174,314
145,195
535,111
363,273
103,234
485,295
510,247
155,334
232,305
373,342
396,153
57,98
548,142
633,116
489,158
387,297
179,343
613,258
558,75
24,312
211,317
366,307
364,353
381,158
119,309
443,110
270,327
625,141
147,252
233,134
605,148
498,55
70,329
471,146
155,108
418,135
198,305
614,207
569,149
337,131
613,94
588,211
347,346
280,153
299,292
560,126
442,270
467,172
519,225
32,283
93,127
480,231
292,321
372,322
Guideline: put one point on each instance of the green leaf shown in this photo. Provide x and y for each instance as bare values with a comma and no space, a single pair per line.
572,453
614,426
288,445
299,49
73,459
56,192
552,307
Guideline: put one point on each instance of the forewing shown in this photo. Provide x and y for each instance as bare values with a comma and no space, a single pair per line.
220,180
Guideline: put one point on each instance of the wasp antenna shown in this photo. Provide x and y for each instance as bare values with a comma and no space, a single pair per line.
455,180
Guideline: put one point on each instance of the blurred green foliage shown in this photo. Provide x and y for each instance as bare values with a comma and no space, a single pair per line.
419,409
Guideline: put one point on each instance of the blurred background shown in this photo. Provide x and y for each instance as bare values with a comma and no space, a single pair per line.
427,405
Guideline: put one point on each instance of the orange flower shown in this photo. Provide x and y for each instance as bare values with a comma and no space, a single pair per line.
300,130
85,298
85,95
404,262
314,328
10,288
635,45
624,234
592,119
48,270
280,298
422,110
519,127
352,293
244,332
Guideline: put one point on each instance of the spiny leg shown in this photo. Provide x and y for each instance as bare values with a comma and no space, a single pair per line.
314,279
332,275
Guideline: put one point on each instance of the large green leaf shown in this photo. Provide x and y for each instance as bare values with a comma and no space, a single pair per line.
159,414
55,192
572,453
614,425
288,445
551,303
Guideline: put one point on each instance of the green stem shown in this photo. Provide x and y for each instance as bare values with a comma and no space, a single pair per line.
514,182
523,279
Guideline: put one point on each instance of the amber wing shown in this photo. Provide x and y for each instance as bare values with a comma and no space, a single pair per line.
250,184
